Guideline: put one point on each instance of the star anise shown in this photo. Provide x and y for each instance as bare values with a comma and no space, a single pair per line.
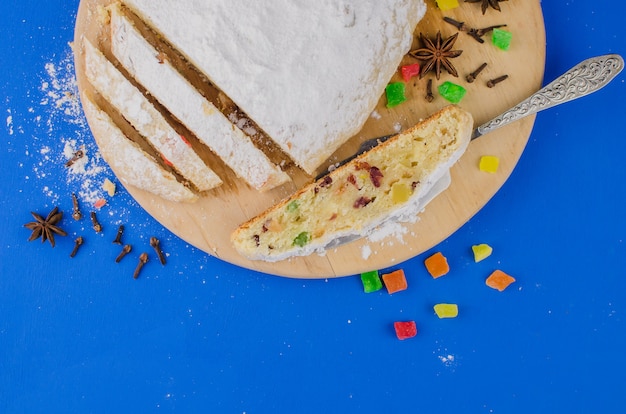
46,228
486,3
437,54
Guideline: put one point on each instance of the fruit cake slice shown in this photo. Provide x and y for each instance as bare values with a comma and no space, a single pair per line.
200,116
109,82
390,182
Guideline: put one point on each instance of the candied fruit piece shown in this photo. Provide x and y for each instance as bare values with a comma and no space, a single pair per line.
99,203
293,206
447,4
409,71
489,163
405,330
371,281
437,265
481,251
499,280
501,38
400,193
302,239
395,281
452,92
446,310
395,92
109,187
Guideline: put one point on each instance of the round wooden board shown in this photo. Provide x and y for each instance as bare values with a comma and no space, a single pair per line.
208,223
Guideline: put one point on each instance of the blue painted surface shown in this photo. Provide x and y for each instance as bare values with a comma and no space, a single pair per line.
199,335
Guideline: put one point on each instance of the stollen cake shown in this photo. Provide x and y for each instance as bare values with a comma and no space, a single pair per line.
138,168
109,82
308,73
389,182
169,87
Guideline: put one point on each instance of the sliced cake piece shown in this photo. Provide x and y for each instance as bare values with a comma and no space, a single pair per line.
200,116
146,119
390,182
135,167
309,73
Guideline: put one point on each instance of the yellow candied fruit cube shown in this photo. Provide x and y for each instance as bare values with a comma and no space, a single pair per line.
447,4
481,252
489,163
109,187
446,310
400,193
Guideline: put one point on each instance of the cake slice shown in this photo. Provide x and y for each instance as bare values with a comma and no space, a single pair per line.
390,182
146,119
309,73
192,109
135,167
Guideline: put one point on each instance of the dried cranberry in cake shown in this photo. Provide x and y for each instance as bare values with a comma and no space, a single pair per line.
362,202
376,176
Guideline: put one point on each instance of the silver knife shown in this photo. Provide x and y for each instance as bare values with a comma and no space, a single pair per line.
587,77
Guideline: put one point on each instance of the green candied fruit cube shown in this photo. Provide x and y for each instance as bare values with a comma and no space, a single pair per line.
302,239
395,92
501,38
452,92
293,206
371,281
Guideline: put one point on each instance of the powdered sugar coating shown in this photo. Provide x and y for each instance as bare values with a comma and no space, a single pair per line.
309,73
140,170
174,92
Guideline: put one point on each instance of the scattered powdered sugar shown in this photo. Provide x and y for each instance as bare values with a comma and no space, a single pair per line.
10,122
447,359
390,229
59,107
366,251
387,229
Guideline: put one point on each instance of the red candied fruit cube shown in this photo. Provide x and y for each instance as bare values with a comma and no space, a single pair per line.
409,71
405,330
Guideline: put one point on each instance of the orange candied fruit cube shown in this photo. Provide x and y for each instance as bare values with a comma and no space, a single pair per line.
395,281
437,265
499,280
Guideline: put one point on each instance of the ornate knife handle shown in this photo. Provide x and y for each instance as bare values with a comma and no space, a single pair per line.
586,77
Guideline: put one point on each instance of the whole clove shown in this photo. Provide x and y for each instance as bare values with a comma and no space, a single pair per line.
477,34
429,91
118,236
77,155
125,250
493,82
143,259
77,243
154,242
76,214
94,221
472,76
